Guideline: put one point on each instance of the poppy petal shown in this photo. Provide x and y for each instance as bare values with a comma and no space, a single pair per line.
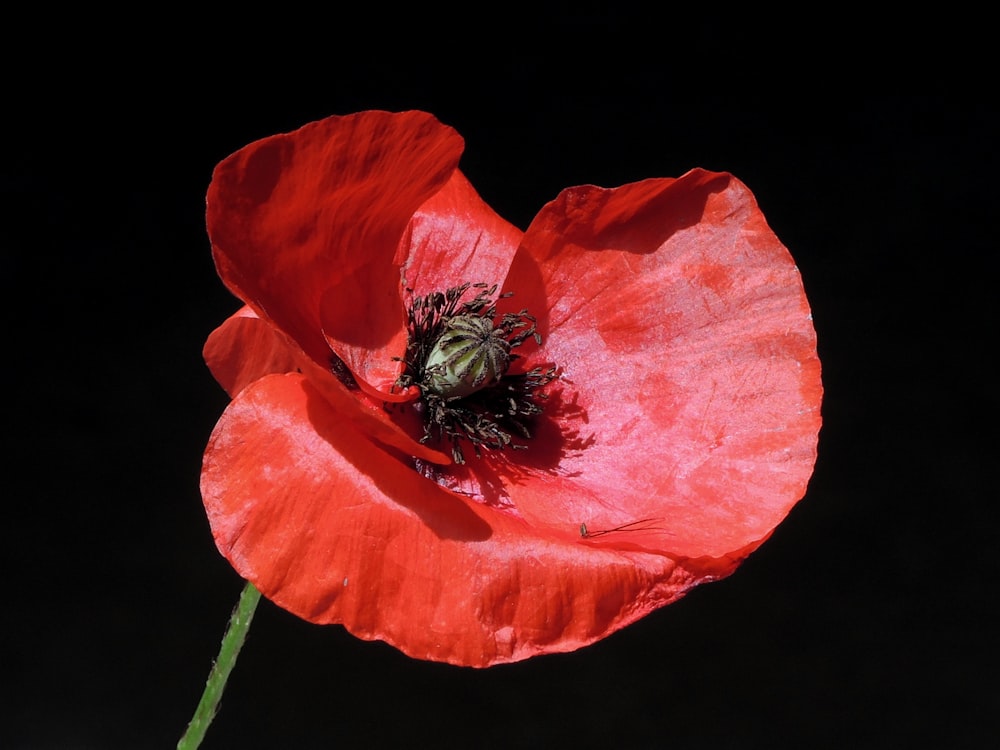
689,356
456,238
336,530
245,348
312,219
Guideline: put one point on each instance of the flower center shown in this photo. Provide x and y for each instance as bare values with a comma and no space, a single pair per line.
459,355
469,355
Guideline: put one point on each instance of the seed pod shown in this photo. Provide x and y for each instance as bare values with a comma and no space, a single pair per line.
468,356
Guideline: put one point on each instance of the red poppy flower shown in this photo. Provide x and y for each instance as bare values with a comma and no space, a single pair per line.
479,478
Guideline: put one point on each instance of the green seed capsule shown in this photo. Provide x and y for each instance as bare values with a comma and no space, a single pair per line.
468,356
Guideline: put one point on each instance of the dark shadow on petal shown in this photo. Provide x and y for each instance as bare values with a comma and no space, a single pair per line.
260,170
527,289
557,433
641,217
448,516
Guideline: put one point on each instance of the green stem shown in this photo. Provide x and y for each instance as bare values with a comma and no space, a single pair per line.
232,642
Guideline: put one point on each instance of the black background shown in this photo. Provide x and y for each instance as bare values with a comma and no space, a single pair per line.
864,622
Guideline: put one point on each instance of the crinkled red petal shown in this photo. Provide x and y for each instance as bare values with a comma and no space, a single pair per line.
305,227
689,410
456,238
245,348
331,527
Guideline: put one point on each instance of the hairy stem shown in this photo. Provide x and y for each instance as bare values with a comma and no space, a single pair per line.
232,642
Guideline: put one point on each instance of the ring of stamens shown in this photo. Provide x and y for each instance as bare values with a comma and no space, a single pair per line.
459,355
